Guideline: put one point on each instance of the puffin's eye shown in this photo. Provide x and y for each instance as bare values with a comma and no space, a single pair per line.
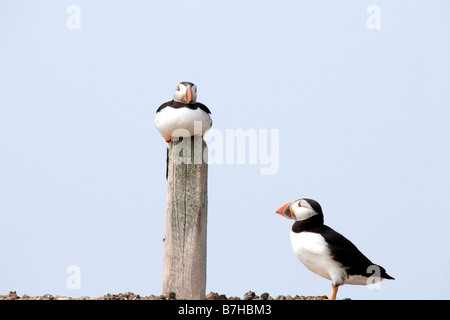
178,88
299,204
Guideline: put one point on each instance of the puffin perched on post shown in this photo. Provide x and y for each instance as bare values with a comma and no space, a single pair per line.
183,116
326,252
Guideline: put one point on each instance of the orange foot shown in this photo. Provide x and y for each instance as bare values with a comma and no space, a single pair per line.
333,295
169,140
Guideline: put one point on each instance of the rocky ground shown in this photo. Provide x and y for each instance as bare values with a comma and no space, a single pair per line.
131,296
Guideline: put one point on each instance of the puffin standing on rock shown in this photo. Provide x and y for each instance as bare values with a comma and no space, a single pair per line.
326,252
183,116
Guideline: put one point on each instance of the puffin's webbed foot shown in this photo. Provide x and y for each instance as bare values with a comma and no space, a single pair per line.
333,295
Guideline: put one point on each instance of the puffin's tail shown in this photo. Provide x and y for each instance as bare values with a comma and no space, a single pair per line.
384,274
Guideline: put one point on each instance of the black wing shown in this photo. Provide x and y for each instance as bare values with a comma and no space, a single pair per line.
345,252
166,104
202,107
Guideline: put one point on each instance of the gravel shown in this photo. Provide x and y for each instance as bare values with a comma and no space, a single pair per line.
250,295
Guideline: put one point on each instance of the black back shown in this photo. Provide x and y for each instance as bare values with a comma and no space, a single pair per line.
175,104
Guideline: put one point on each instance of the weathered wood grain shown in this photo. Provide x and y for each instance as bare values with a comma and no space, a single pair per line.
184,269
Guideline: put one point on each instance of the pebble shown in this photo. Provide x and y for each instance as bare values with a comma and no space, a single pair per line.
250,295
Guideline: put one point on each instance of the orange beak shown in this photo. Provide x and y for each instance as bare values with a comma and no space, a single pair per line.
189,95
286,210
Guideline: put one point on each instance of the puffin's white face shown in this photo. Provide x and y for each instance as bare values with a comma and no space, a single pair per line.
185,92
299,210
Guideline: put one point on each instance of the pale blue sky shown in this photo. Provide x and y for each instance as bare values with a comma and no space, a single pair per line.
363,118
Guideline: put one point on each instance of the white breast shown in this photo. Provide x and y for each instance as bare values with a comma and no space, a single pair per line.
182,122
312,250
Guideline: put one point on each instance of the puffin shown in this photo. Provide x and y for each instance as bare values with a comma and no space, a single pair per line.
183,116
325,251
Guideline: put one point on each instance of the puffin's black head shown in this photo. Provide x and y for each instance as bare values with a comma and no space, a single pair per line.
185,92
301,209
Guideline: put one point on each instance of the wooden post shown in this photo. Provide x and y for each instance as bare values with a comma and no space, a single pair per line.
184,269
